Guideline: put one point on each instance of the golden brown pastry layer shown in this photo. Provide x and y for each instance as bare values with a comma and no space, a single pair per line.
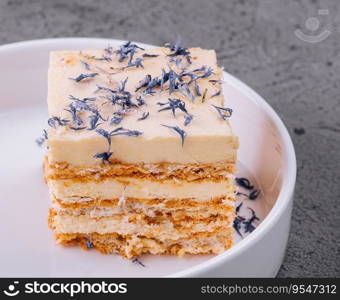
185,203
164,208
159,171
133,246
162,228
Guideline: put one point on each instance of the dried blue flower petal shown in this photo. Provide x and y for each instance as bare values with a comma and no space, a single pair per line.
77,128
150,55
144,116
185,90
81,104
105,134
84,76
224,112
172,81
238,207
197,89
164,78
180,131
208,73
119,97
86,65
127,49
72,109
136,63
104,156
177,61
94,121
178,49
216,94
201,69
248,224
244,182
144,82
176,82
84,100
188,119
116,119
117,129
193,77
42,139
103,88
254,194
108,50
104,58
140,101
137,261
241,194
56,121
45,135
155,82
148,91
237,224
150,83
172,105
123,84
214,81
249,227
88,244
127,132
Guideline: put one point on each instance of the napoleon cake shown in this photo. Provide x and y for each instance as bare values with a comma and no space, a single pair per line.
140,153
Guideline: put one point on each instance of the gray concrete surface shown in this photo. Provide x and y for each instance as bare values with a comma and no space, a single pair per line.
255,41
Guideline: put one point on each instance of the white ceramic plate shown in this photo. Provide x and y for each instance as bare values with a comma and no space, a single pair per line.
27,245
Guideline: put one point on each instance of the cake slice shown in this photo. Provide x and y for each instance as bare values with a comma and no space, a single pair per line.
140,151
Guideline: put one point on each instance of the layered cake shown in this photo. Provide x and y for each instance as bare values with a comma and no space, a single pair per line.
140,153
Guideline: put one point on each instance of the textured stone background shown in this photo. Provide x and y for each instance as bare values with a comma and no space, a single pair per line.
255,41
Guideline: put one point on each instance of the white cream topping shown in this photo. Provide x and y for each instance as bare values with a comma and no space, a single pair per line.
209,138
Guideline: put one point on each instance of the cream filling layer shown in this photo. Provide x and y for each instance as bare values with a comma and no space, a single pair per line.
147,210
70,191
197,149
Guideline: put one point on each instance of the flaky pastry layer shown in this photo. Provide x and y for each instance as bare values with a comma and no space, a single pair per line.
135,224
156,171
133,246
